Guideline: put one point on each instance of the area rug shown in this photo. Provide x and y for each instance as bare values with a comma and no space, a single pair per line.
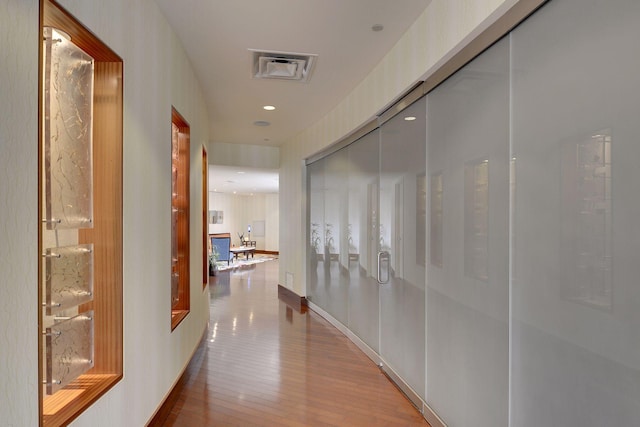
241,262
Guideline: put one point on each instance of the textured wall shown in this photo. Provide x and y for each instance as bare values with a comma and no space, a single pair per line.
157,76
256,156
442,29
272,222
19,212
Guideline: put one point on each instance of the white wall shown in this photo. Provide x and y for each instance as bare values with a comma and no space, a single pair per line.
19,212
157,76
272,222
256,156
442,29
240,211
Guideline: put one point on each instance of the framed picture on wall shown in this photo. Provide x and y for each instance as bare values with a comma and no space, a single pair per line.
216,217
258,228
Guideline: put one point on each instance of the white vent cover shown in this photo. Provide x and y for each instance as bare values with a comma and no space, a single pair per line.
282,65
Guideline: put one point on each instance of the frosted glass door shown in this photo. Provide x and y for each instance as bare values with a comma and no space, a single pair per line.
316,290
576,238
401,241
363,238
336,235
467,272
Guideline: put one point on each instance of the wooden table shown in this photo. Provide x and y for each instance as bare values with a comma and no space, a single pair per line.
246,250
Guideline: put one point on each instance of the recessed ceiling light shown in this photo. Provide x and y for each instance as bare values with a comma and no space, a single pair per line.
269,107
377,27
240,171
261,123
410,118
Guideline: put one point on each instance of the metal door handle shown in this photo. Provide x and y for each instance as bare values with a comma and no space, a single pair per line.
384,259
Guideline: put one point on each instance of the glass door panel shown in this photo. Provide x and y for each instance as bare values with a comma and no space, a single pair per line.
467,286
316,290
336,235
575,294
362,233
401,240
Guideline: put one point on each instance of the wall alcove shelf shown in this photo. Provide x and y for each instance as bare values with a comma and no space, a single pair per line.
100,235
180,207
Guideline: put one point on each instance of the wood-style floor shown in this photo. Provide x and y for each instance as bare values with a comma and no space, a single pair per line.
263,363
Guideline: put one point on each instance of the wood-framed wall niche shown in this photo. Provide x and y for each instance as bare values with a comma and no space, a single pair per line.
205,218
67,403
180,215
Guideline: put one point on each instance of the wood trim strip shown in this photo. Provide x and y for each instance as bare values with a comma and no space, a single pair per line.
107,232
54,15
220,235
261,251
292,299
177,316
87,388
205,218
41,273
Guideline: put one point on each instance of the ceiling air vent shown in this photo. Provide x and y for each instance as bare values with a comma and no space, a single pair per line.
282,65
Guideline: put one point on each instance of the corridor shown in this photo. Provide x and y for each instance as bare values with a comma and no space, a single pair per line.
263,363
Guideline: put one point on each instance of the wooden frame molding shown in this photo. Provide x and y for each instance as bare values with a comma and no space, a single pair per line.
180,205
66,404
205,218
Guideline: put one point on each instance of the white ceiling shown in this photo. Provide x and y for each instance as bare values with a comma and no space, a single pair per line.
217,36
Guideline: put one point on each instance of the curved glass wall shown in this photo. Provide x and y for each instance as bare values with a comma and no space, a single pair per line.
343,194
362,230
401,238
468,269
367,248
575,294
508,194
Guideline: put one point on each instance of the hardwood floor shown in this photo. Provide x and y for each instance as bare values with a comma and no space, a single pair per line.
263,363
